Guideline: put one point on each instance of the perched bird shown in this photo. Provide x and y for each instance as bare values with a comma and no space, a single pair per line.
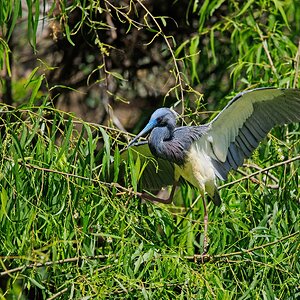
201,154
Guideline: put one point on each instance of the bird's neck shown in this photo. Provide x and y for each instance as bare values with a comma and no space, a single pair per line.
161,134
157,139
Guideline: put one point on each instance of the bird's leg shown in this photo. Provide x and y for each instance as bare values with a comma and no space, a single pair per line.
205,219
156,199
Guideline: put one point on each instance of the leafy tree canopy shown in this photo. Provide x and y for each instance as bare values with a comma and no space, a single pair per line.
74,76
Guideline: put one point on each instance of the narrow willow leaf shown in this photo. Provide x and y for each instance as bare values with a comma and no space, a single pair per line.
117,75
91,146
106,157
17,13
212,46
67,28
4,48
245,7
4,199
136,173
194,52
37,85
278,5
181,47
66,140
117,160
203,12
31,77
35,283
35,21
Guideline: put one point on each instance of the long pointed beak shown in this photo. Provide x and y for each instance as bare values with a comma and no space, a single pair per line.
146,130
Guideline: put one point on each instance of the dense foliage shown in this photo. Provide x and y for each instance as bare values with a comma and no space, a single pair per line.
67,231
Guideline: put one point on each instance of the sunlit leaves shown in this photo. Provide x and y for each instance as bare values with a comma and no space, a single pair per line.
256,38
60,190
54,206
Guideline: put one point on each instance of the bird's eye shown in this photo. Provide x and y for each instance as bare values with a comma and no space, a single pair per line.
159,119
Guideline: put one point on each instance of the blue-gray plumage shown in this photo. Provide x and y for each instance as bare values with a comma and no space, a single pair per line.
200,154
229,138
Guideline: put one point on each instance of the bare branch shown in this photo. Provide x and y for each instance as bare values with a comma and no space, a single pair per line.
285,162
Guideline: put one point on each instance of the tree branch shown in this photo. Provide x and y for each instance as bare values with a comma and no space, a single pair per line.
55,262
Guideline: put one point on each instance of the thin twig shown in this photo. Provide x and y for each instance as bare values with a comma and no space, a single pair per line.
109,184
55,262
106,98
285,162
265,46
196,258
75,120
254,166
202,259
178,77
130,191
264,181
254,180
58,294
220,256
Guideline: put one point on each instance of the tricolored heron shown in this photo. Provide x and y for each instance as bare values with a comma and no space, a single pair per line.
201,154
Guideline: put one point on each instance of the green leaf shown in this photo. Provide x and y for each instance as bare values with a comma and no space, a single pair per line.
116,75
66,141
117,160
67,28
31,78
106,158
4,48
35,283
245,7
4,199
17,12
212,46
278,5
37,85
194,52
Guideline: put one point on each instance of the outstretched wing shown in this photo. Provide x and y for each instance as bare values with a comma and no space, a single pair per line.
155,172
237,130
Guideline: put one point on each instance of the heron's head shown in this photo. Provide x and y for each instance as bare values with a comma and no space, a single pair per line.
162,117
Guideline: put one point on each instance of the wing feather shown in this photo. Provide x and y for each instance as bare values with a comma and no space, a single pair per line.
231,158
243,145
254,127
157,172
237,130
248,139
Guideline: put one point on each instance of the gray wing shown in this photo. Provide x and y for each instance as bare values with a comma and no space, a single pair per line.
155,172
237,130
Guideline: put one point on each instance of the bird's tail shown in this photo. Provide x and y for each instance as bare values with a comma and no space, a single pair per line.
216,199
